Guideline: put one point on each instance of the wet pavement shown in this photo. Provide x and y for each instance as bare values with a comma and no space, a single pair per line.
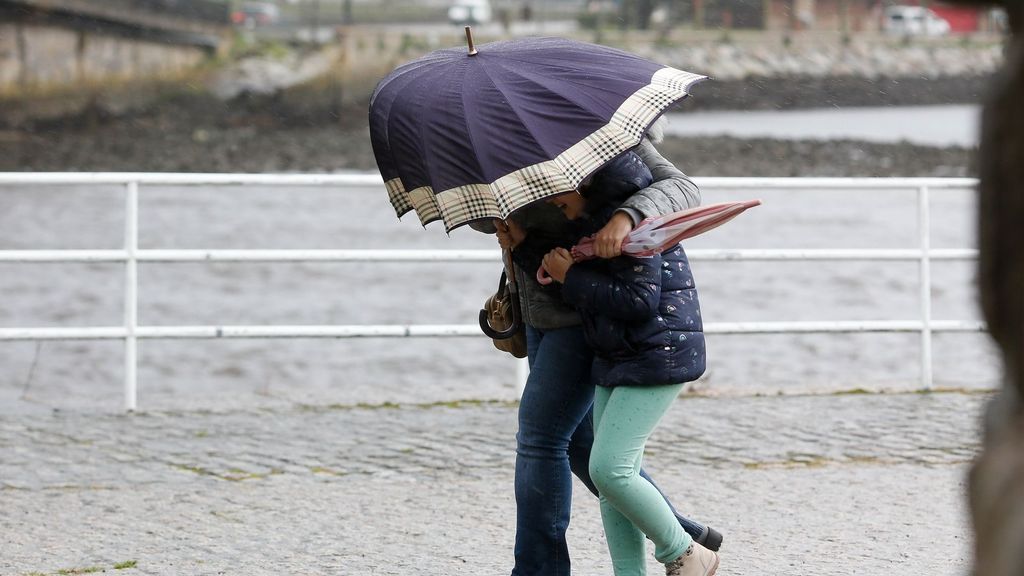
828,484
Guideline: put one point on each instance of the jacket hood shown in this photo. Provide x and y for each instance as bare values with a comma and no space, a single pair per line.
616,181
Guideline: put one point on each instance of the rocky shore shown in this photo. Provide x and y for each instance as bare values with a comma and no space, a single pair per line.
312,132
828,56
143,146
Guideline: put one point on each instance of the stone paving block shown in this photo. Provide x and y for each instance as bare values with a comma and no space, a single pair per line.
858,484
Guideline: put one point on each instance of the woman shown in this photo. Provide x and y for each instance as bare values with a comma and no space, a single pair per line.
555,420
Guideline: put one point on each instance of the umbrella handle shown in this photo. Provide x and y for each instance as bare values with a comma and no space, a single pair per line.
502,334
542,276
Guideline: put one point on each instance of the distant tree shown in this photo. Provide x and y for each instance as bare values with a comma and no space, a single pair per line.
636,14
644,8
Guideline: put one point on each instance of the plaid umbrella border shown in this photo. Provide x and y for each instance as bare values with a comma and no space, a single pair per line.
464,204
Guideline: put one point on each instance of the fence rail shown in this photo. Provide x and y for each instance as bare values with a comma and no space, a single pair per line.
446,255
131,256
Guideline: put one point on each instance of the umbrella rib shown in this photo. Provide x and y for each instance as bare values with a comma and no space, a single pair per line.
582,87
515,111
469,131
388,126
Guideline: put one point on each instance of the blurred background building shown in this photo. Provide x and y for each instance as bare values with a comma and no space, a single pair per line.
201,67
47,43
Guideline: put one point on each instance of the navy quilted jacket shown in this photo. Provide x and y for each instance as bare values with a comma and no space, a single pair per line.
641,316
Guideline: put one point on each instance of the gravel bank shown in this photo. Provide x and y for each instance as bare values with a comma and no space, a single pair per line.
130,149
309,131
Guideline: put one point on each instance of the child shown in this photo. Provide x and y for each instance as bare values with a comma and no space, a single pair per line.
641,316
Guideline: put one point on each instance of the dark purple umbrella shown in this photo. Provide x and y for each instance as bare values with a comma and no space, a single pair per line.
470,136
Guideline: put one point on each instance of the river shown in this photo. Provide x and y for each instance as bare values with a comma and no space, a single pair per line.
952,125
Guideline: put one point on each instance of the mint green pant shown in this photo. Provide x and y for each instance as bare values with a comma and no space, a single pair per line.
631,507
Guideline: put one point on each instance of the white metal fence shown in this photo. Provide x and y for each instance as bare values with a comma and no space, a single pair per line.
131,256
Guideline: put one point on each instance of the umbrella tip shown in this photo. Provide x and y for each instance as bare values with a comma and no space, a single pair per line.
469,41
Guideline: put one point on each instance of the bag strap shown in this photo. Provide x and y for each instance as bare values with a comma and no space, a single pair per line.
503,283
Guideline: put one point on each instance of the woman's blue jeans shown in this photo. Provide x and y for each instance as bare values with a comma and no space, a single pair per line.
555,436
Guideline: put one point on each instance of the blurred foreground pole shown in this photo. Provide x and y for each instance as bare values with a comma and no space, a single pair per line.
997,477
643,14
844,21
314,22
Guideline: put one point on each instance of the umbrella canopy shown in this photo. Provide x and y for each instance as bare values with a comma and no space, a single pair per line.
659,233
464,136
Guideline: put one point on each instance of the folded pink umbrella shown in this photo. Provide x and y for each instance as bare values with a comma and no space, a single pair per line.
659,233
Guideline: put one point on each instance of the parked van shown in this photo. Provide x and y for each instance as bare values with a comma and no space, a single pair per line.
913,21
463,12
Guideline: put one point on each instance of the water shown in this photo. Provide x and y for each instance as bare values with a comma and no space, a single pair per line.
953,125
218,374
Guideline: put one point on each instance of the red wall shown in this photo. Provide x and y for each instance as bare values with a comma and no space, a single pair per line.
960,19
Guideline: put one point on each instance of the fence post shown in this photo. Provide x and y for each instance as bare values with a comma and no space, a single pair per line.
924,230
131,300
522,373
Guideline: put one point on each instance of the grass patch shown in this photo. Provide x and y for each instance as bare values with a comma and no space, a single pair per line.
238,476
87,570
384,406
235,475
194,469
327,471
953,390
232,475
813,462
466,403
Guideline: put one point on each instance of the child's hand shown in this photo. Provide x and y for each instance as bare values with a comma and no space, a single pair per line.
509,233
557,263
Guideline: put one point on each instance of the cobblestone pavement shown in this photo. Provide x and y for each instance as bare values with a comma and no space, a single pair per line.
840,484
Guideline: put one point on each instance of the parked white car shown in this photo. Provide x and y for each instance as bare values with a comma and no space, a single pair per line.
463,12
913,21
253,14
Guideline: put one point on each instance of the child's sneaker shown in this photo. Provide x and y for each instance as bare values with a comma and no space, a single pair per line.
696,561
